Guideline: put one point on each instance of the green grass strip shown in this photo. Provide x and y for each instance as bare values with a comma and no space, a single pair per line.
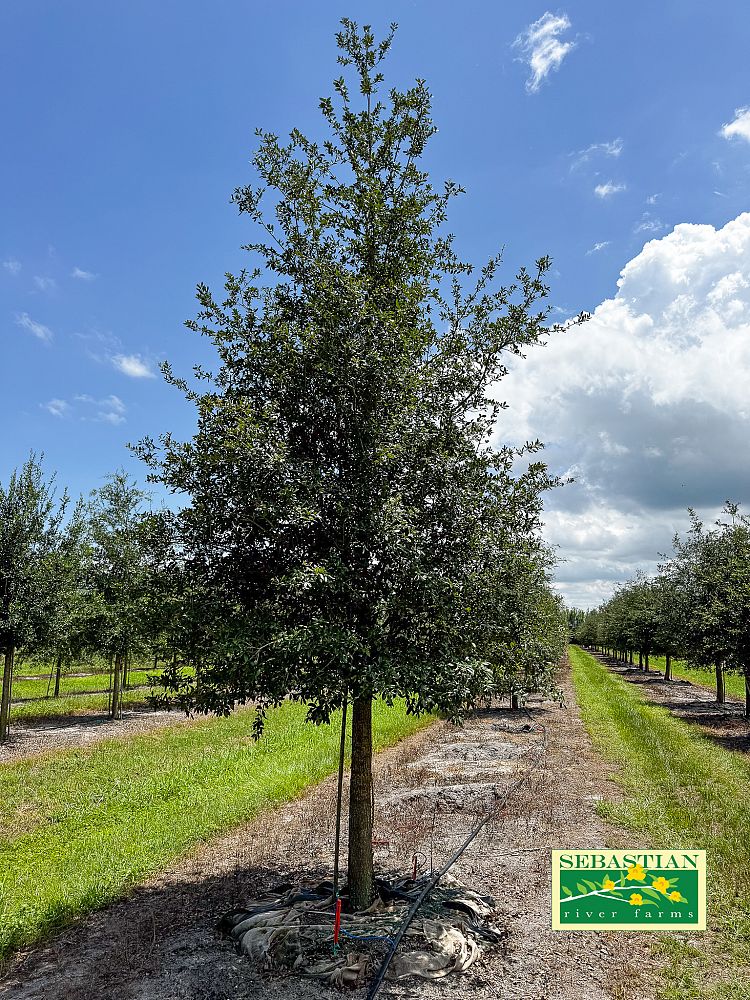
73,685
79,704
682,792
79,827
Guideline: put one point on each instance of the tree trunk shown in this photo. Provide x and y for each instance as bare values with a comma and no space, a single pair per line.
668,668
515,701
720,693
116,709
360,864
631,657
640,660
747,690
646,662
7,688
58,672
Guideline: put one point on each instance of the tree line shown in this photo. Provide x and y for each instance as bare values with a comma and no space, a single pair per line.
696,607
80,579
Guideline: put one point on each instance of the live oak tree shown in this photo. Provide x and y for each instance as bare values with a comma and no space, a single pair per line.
64,636
528,629
715,567
118,574
30,522
345,505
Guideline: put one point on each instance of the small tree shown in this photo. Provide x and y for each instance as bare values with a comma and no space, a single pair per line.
118,574
345,501
30,523
66,624
715,568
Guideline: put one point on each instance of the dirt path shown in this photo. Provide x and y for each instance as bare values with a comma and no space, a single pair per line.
725,724
65,732
159,944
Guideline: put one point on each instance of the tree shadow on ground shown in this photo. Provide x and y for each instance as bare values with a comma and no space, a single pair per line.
160,942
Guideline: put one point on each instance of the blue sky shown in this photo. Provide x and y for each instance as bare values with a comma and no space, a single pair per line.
127,125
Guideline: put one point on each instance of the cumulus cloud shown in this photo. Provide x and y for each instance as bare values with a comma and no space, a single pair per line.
542,48
739,127
82,275
608,189
39,330
646,405
12,266
133,365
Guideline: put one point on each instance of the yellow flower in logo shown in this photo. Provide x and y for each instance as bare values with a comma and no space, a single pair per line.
675,896
661,884
636,899
636,872
608,884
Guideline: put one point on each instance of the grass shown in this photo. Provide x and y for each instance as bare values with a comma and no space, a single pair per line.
682,791
82,704
734,684
80,827
73,685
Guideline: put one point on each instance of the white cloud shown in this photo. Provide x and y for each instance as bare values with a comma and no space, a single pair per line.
45,284
542,48
648,224
133,365
39,330
739,127
82,275
597,149
608,189
110,409
597,247
646,405
653,198
57,407
12,266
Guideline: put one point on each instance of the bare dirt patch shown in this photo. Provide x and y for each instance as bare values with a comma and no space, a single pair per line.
61,732
160,942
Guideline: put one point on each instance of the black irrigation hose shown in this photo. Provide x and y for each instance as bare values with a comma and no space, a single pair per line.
433,881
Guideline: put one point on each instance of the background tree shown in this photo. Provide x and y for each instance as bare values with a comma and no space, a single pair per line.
714,566
119,576
64,636
345,500
30,524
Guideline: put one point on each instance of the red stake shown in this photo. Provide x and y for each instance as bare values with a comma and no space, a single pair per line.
337,924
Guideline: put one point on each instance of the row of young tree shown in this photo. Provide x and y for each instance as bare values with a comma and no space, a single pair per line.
696,607
348,529
78,580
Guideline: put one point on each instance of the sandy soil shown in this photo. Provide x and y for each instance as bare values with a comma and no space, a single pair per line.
60,732
160,943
